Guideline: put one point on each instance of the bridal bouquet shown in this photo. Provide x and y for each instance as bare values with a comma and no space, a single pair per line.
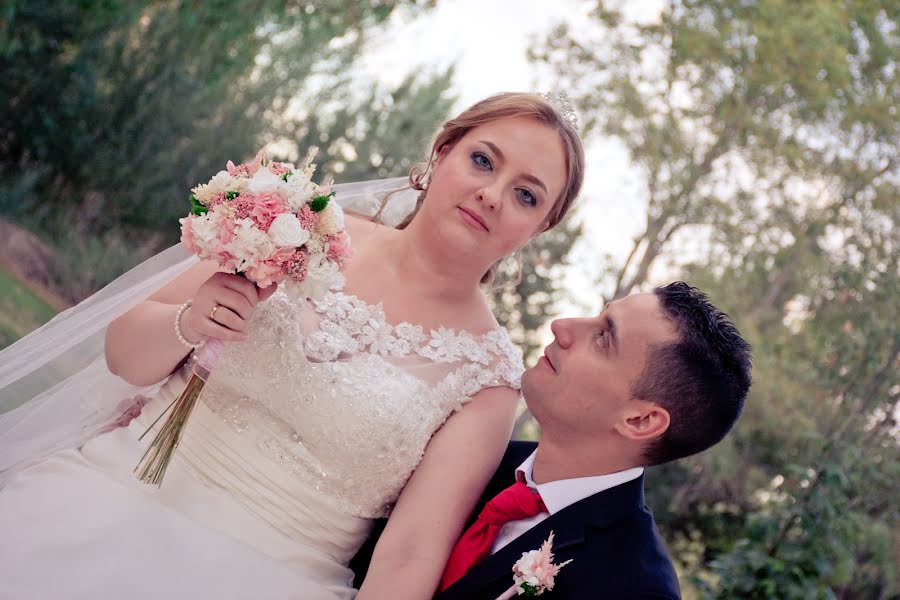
270,223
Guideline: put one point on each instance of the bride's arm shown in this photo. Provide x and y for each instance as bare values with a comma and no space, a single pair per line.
141,345
433,507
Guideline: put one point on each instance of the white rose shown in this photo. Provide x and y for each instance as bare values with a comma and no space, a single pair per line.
297,190
323,275
251,245
286,231
264,181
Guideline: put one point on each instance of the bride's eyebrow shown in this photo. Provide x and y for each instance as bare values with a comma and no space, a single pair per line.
526,176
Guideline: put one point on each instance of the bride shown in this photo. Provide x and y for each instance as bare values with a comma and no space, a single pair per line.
393,395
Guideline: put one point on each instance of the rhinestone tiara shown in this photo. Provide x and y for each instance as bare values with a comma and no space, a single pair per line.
563,106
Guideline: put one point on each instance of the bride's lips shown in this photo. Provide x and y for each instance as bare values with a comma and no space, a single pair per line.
473,219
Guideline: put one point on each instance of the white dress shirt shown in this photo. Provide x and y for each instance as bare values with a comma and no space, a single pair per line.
557,495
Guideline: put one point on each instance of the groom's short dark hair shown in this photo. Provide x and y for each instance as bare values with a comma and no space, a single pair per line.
702,379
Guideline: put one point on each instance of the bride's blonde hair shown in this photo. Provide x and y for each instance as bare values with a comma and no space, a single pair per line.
501,106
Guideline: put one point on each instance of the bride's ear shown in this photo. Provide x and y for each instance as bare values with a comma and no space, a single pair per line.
441,153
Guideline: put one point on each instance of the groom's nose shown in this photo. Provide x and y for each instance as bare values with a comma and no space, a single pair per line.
562,331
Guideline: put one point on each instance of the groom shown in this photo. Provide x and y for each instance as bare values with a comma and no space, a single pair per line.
654,378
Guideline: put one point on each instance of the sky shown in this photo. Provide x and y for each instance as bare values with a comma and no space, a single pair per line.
488,40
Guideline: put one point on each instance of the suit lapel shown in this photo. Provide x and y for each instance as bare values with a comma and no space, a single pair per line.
569,528
567,534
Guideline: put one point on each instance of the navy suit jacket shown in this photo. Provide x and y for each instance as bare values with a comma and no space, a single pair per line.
611,537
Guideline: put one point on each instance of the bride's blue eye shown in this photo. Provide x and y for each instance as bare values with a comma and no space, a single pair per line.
526,197
481,160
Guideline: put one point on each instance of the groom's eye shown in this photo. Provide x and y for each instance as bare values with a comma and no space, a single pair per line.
601,338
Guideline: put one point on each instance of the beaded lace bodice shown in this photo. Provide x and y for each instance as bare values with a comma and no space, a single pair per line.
345,401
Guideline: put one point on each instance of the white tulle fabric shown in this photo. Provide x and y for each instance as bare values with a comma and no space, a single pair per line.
305,432
55,389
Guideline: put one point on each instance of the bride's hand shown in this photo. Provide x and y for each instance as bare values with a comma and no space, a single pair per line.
222,308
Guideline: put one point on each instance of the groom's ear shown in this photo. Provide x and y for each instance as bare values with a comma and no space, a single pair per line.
643,421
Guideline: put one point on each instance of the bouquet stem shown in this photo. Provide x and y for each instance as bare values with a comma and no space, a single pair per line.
156,458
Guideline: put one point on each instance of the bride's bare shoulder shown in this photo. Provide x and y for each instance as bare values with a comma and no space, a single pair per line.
363,229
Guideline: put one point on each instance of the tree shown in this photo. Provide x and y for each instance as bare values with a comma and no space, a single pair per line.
117,109
722,102
767,133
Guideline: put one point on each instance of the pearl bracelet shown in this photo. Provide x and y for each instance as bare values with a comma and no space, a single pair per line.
178,333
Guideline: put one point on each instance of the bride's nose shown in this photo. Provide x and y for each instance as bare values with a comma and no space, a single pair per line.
489,196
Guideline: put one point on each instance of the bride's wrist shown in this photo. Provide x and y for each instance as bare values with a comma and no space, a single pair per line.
184,334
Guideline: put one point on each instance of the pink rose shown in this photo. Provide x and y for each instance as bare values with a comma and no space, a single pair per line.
271,270
265,208
264,274
226,260
227,231
282,256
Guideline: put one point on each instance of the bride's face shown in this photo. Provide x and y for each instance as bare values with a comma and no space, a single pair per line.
494,189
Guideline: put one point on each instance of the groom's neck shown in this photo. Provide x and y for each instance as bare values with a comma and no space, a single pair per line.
556,461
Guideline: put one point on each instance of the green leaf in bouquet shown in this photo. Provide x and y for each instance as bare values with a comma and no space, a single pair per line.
319,203
285,176
197,207
231,195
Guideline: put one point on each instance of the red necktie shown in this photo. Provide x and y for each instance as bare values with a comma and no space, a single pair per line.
512,504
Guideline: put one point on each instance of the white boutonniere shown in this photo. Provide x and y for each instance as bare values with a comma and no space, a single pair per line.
535,572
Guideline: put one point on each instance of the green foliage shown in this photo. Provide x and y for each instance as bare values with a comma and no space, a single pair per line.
723,102
21,310
113,110
767,133
197,207
319,203
524,306
108,98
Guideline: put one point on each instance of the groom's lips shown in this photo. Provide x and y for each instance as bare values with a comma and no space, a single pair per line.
549,362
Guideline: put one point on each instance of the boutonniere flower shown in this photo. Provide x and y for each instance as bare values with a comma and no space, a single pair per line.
535,572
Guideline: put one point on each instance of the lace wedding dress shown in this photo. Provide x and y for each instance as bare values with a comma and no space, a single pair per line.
305,433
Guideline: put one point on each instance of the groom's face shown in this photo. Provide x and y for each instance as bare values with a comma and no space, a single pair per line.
582,383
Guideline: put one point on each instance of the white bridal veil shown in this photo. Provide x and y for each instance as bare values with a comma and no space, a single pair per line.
55,389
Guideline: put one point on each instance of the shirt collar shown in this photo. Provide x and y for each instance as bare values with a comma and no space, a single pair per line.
557,495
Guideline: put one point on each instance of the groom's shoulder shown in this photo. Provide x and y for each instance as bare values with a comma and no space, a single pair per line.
634,548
